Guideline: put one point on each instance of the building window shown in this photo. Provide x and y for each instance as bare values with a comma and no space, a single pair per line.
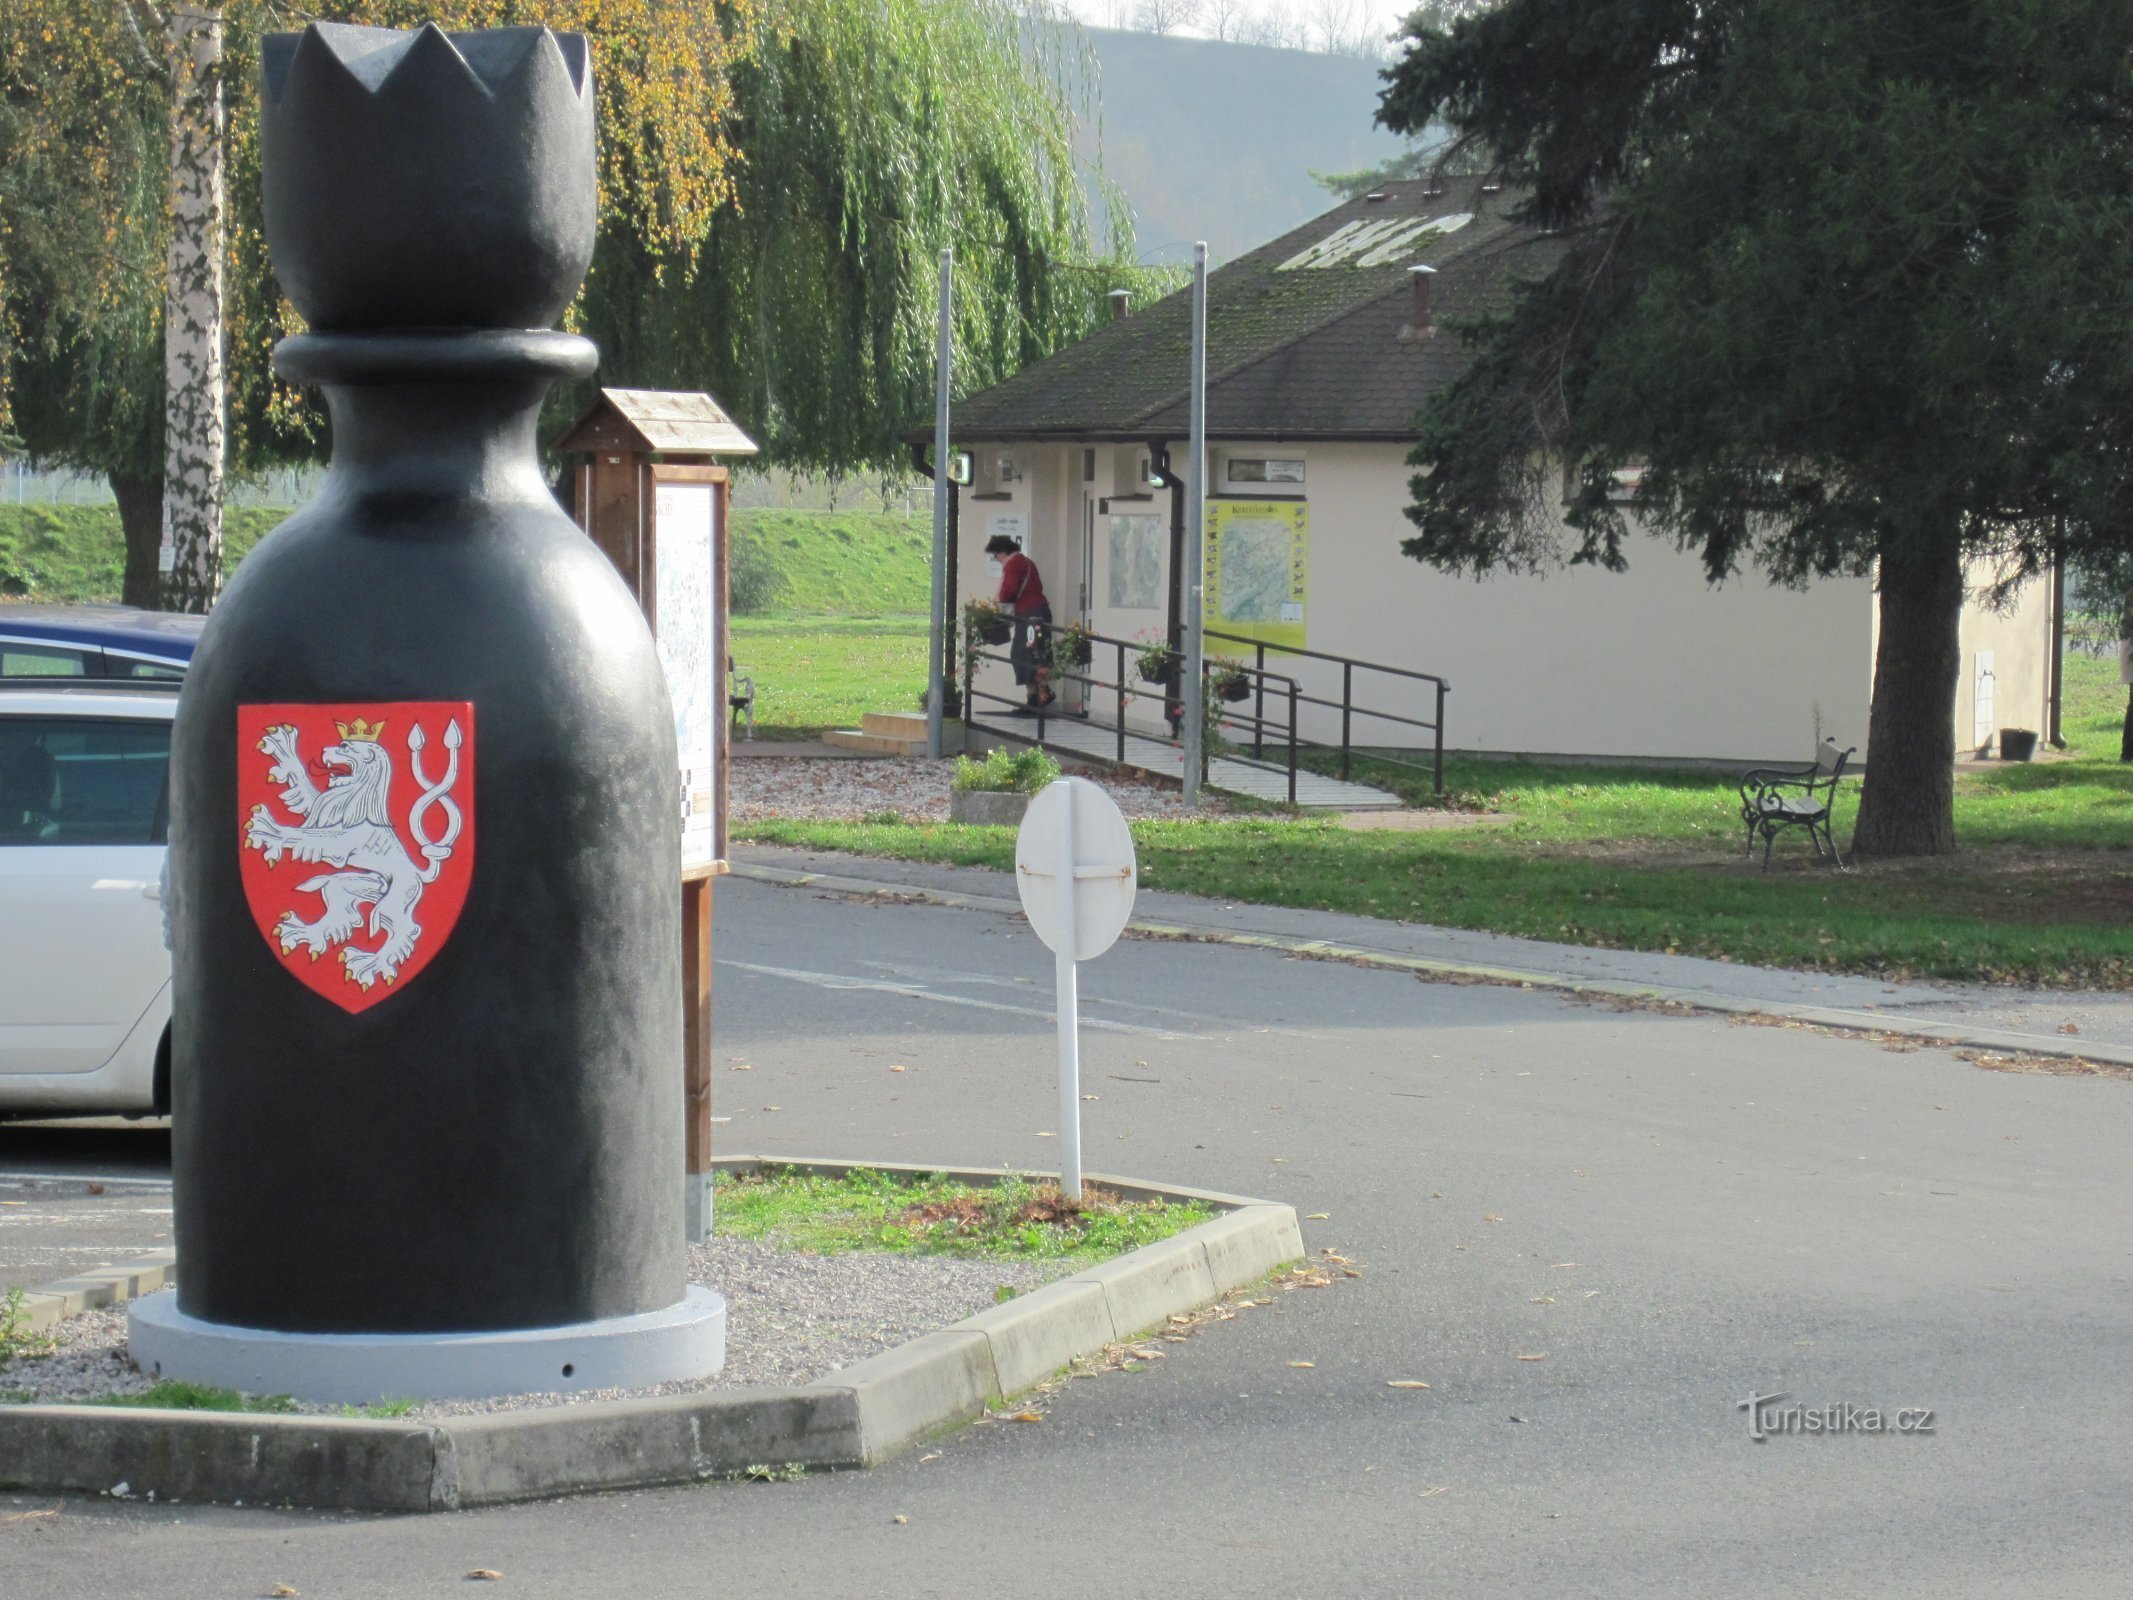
1261,474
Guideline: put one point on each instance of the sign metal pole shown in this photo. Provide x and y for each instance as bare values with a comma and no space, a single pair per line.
1196,537
1075,872
937,627
1064,944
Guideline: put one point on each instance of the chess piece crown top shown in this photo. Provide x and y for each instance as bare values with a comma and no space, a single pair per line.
427,180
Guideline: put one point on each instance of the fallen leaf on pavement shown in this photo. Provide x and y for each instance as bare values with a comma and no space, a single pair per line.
1533,1358
899,1519
773,1108
28,1516
1490,1216
486,1574
1426,1493
1405,1383
96,1188
1303,1363
1027,1416
897,1069
1319,1216
282,1591
1542,1300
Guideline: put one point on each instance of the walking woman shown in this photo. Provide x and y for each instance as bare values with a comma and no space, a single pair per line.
1022,597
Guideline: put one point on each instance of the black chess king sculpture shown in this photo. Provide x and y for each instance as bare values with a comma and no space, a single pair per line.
425,871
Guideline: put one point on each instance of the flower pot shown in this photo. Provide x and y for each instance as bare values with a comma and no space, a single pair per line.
997,630
2017,744
993,807
1077,654
1234,689
1155,674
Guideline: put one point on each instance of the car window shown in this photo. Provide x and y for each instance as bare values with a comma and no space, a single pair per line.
76,780
132,667
42,661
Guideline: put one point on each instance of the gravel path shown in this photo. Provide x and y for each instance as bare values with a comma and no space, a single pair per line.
852,791
791,1318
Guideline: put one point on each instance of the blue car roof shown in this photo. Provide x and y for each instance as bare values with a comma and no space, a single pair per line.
170,635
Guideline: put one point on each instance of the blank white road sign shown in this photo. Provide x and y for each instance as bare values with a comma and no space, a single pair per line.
1074,814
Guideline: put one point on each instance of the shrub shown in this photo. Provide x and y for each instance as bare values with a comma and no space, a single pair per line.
1004,772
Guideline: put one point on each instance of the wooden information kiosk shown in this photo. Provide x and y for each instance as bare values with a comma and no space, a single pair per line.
652,496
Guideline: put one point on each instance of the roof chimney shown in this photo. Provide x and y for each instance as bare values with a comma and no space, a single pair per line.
1121,304
1420,325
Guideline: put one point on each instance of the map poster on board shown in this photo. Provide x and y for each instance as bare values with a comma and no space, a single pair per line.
685,615
1258,570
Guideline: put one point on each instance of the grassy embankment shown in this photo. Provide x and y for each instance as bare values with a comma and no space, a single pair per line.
829,606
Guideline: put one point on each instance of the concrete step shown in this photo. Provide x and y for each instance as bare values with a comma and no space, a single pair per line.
874,743
895,724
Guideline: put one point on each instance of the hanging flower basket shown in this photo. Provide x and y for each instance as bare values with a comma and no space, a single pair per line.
986,623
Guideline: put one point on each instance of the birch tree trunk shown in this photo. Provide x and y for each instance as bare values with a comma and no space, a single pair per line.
191,555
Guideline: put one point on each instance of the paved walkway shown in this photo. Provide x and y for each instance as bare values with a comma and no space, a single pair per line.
1092,737
2097,1025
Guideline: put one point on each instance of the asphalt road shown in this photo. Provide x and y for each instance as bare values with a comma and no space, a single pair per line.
1671,1213
80,1194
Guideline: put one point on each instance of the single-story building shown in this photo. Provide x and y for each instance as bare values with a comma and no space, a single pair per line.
1322,347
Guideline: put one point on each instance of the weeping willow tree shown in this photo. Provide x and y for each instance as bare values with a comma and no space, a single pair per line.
87,200
776,177
873,133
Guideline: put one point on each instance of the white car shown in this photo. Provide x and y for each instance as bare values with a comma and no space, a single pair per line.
84,972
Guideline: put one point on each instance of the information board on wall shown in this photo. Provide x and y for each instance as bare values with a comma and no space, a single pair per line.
1258,569
685,615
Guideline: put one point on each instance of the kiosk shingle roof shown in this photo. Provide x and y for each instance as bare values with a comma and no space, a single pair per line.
1305,334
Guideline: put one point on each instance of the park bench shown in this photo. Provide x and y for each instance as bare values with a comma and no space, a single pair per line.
1773,799
740,696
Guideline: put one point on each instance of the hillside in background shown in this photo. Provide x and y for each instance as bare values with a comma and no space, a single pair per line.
1218,141
864,563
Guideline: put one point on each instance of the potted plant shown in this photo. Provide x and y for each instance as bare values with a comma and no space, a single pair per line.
985,623
1070,647
997,790
1230,679
1152,661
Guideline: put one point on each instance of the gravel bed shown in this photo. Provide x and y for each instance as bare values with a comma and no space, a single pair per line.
791,1317
852,791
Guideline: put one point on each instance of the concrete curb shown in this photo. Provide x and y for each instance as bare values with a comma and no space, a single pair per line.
1949,1035
855,1417
49,1303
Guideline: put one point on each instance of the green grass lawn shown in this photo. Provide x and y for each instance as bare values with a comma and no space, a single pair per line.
2041,891
813,673
934,1215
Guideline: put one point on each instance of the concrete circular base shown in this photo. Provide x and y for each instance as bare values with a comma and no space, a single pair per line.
686,1340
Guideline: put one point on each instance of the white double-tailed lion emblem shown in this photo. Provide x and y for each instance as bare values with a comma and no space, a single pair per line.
348,826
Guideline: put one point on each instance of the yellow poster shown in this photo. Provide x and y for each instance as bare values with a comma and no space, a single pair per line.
1258,571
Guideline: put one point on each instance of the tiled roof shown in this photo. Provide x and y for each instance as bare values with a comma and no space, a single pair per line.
1308,336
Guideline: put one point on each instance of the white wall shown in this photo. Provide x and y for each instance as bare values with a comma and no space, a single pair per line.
1652,662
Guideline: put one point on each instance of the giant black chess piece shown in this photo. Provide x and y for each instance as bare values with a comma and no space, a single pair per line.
425,841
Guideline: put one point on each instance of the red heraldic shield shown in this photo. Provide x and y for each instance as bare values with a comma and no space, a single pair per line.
356,837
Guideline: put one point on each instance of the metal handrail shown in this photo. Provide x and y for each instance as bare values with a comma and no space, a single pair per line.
1347,707
1163,688
1281,730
